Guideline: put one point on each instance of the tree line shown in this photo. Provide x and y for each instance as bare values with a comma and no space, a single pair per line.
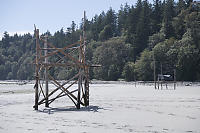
126,43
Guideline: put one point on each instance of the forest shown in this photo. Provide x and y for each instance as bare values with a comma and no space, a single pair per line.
125,43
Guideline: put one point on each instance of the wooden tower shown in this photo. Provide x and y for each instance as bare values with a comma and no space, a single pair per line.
65,59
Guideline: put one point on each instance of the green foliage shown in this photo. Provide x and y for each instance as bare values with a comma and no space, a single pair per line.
143,66
188,58
65,74
169,13
129,71
192,20
106,33
181,6
156,16
161,49
123,18
170,31
112,55
155,39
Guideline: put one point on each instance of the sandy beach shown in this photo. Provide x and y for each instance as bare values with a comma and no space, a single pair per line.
114,108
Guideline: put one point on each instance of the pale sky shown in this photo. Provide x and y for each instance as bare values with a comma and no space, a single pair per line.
20,15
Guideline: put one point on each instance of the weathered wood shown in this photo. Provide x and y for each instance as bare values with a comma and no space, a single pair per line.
60,48
61,65
53,99
37,69
93,65
161,81
66,60
69,56
74,91
57,49
51,93
46,74
41,90
86,85
66,91
86,68
58,96
79,92
154,71
80,77
174,79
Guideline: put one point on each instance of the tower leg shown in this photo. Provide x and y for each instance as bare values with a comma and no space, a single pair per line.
79,92
174,79
47,92
36,96
86,92
46,74
37,70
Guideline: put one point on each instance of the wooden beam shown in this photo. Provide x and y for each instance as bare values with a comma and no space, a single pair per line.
63,92
174,79
37,69
58,88
60,65
53,99
86,84
46,73
69,56
79,91
41,89
69,93
69,46
57,49
154,70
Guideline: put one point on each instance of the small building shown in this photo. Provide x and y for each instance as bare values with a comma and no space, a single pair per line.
166,77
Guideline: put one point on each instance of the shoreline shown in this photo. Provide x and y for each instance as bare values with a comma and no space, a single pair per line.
148,83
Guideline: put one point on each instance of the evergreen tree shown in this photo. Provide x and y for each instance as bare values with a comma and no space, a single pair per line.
73,26
111,20
169,13
181,5
5,39
143,28
156,16
122,19
95,28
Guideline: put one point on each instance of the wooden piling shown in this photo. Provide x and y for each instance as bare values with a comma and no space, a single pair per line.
37,69
154,70
79,92
46,72
174,79
87,87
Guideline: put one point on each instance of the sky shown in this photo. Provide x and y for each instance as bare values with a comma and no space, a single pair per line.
19,16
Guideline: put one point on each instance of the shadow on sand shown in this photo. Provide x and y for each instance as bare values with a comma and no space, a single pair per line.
70,108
